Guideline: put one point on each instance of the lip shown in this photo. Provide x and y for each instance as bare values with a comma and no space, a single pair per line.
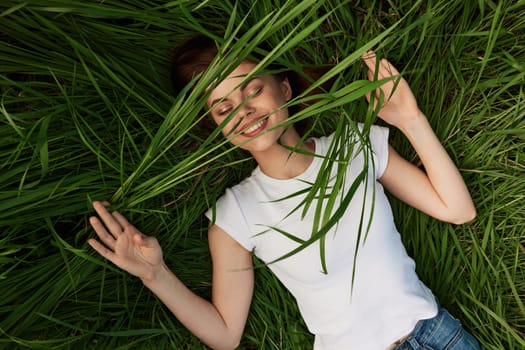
256,131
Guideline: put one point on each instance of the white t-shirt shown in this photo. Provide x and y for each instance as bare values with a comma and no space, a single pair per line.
387,298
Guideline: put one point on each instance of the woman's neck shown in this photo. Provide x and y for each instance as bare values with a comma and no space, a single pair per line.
280,161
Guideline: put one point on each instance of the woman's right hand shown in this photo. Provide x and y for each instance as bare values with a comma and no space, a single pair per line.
219,324
124,245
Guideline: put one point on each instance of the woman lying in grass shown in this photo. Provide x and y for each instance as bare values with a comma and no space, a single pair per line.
374,302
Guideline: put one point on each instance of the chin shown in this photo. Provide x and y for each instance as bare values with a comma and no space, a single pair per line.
260,144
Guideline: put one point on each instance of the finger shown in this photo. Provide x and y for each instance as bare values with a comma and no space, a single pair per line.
102,233
123,222
376,97
376,92
109,220
387,69
139,239
145,241
101,249
369,58
370,75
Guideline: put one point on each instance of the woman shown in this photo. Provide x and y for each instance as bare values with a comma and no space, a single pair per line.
376,302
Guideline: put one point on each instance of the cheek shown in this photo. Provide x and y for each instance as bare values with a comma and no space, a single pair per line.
227,127
278,100
218,120
215,120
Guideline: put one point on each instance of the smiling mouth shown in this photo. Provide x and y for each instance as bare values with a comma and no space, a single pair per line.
255,128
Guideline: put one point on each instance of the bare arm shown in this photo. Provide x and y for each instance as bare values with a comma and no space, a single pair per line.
219,324
439,191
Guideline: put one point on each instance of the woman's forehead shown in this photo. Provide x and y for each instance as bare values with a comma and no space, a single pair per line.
232,80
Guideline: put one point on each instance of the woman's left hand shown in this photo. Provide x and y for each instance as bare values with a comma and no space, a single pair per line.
399,104
438,191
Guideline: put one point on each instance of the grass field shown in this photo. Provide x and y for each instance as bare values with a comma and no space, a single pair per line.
87,112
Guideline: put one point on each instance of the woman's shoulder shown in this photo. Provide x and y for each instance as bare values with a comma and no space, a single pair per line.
241,190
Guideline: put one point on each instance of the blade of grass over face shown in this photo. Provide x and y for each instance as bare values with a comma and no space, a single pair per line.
87,113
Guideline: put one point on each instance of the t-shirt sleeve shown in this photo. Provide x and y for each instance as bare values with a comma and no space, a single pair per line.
228,215
379,142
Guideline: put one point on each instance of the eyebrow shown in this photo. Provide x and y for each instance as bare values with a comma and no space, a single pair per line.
241,88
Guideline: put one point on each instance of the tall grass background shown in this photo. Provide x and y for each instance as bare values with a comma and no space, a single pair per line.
87,112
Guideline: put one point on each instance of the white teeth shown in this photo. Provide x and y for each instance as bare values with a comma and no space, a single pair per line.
253,127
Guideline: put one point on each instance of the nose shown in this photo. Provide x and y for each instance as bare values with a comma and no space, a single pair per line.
247,110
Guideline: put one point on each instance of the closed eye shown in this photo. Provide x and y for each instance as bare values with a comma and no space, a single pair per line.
224,111
255,92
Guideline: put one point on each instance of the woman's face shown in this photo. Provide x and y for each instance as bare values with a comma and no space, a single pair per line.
258,101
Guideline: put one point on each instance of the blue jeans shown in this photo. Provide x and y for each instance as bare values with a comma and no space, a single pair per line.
443,332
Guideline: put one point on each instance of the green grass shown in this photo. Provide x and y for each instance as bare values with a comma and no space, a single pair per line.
87,113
